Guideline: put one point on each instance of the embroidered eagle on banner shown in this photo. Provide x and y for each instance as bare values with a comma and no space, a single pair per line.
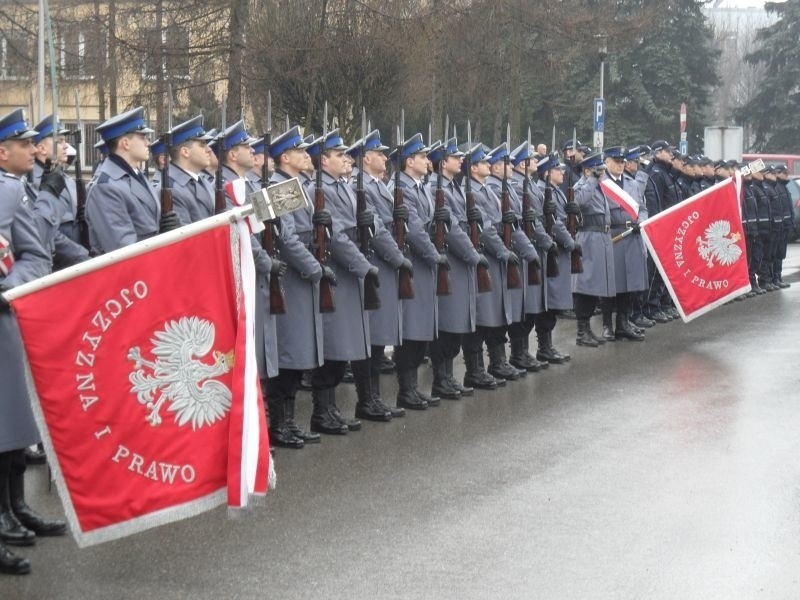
178,376
719,244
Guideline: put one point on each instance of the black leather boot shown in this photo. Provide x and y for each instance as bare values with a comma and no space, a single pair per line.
322,419
406,394
30,519
464,390
547,352
308,437
441,384
585,337
536,364
608,327
431,400
476,375
499,366
12,532
366,407
279,434
625,331
519,357
11,564
375,387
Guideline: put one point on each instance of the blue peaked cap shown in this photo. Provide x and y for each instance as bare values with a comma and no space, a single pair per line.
332,141
188,130
592,161
549,162
617,152
373,142
498,153
14,127
521,153
289,139
128,122
45,129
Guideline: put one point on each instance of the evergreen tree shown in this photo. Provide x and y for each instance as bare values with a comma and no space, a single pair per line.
772,114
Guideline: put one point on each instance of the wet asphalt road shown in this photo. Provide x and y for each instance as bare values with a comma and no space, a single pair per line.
663,469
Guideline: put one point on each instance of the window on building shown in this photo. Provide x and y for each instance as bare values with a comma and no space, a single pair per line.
14,62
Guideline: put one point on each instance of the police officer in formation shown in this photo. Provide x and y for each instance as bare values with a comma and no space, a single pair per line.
38,224
27,226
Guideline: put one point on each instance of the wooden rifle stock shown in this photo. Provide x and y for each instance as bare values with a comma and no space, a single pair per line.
442,275
576,262
534,269
482,272
372,300
513,277
405,284
326,301
277,300
549,221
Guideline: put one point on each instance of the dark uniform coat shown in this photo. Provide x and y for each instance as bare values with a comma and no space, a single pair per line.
299,329
521,246
18,226
420,314
559,289
192,199
457,311
121,207
386,323
535,296
346,331
598,277
630,257
494,307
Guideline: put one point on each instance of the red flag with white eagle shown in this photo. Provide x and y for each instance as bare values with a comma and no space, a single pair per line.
699,248
143,380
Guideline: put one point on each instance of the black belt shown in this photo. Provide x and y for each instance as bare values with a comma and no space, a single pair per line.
597,228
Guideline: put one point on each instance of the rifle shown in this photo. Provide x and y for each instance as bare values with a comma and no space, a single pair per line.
534,270
80,184
440,227
576,262
219,190
326,300
372,299
513,277
482,272
405,286
549,222
277,301
166,190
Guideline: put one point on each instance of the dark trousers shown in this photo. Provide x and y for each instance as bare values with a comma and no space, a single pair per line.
375,359
329,375
522,329
445,347
545,322
584,305
409,355
284,386
12,461
472,343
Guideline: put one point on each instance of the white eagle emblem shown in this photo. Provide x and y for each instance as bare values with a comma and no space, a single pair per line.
178,377
719,245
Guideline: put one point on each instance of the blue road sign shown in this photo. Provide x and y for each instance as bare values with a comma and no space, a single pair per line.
599,114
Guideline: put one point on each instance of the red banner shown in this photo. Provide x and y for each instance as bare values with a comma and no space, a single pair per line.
139,375
699,248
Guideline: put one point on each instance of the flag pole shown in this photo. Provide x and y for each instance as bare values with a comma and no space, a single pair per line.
106,260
